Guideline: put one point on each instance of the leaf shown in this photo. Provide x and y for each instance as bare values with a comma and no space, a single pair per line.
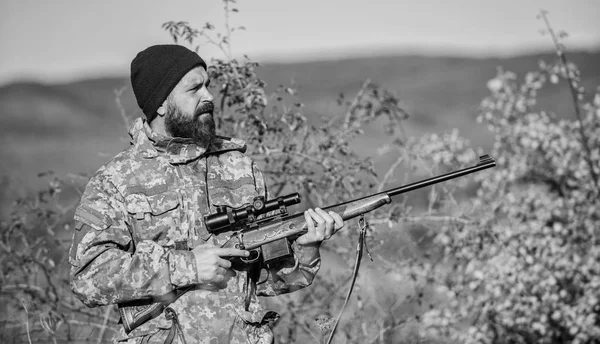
46,173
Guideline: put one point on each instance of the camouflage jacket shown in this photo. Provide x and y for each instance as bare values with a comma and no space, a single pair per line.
146,204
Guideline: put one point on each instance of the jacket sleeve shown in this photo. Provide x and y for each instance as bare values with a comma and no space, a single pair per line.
107,265
290,274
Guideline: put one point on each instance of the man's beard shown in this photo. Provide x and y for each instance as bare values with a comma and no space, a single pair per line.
200,127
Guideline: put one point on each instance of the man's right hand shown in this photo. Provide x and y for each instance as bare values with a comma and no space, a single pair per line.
212,268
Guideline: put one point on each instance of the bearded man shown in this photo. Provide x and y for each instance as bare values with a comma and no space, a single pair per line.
140,240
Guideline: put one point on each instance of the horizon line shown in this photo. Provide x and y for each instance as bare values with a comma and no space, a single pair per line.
311,57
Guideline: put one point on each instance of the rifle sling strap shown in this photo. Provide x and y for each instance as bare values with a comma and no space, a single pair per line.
363,225
252,277
175,329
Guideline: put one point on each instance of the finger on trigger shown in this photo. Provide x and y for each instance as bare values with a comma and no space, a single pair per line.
231,252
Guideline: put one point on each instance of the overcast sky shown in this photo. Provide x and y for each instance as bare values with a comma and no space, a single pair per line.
64,40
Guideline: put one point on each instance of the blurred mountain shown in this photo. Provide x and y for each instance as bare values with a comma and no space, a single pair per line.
440,93
76,127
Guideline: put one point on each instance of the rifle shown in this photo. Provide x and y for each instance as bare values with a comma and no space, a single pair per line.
269,237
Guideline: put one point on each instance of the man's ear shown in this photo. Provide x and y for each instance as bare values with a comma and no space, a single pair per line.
162,109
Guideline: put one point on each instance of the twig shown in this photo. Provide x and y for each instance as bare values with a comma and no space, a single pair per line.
83,311
71,321
306,327
228,29
563,58
346,130
389,173
224,97
443,186
104,323
26,322
118,93
385,329
22,286
52,293
85,323
422,218
436,218
303,155
355,101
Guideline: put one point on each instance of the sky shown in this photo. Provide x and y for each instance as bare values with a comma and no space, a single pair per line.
65,40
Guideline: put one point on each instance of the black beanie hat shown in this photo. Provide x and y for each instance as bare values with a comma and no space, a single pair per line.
156,70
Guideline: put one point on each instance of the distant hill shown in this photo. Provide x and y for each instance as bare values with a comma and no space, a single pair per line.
439,92
75,127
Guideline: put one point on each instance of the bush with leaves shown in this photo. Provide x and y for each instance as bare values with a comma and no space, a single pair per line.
525,269
38,305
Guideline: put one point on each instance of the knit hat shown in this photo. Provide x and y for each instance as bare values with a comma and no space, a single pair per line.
156,70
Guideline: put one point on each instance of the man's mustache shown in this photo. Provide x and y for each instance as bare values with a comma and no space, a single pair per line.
205,107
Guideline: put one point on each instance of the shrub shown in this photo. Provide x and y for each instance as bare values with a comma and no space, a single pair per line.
525,270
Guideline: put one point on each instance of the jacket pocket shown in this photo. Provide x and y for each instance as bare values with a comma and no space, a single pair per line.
155,217
232,193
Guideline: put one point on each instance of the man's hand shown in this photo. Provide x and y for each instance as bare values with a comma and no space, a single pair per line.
326,224
212,268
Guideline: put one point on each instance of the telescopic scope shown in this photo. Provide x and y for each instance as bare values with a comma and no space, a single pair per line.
227,216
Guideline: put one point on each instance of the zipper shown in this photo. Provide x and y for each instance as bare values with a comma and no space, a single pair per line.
206,184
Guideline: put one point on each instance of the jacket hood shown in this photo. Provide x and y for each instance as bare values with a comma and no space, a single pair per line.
177,150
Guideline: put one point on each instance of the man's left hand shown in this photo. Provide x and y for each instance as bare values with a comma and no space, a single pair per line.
321,226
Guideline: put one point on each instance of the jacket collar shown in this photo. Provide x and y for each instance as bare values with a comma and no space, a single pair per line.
177,150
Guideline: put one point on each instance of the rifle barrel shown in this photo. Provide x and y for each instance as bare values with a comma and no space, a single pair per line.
485,161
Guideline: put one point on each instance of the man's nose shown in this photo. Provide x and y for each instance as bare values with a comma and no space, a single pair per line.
207,96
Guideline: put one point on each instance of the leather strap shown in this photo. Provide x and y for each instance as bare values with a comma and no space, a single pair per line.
363,225
175,327
252,276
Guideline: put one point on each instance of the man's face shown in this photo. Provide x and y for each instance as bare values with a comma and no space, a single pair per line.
189,108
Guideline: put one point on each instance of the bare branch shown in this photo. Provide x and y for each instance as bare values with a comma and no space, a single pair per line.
389,173
118,94
107,312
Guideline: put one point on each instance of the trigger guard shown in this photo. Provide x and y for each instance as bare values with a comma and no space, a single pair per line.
254,255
